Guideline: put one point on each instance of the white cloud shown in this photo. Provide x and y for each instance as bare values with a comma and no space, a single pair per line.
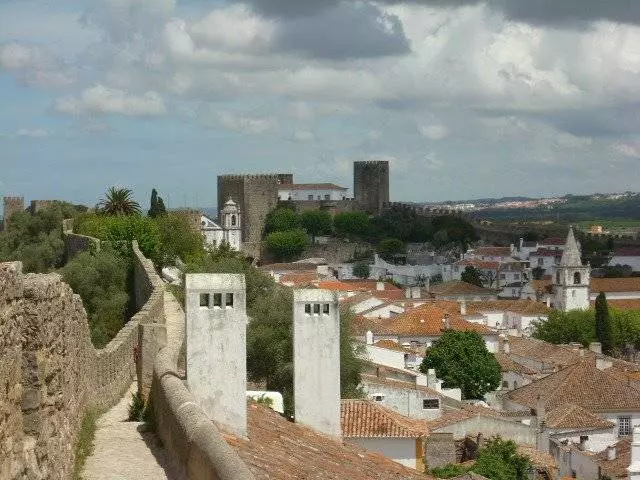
434,132
628,149
34,65
104,100
303,135
246,124
33,133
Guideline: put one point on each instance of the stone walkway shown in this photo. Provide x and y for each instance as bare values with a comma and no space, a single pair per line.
126,450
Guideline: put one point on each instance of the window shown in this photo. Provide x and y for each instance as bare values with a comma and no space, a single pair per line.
310,197
573,293
319,197
229,300
576,278
430,404
558,278
624,426
307,309
540,262
505,384
502,276
316,309
204,299
233,220
325,308
217,300
378,398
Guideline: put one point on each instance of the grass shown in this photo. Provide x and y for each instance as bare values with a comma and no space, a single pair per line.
84,443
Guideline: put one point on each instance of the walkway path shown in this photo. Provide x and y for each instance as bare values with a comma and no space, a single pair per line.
126,450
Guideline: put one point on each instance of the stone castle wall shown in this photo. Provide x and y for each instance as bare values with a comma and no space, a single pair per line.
371,185
50,372
75,243
12,205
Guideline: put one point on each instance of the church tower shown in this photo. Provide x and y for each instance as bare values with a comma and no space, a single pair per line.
231,224
571,282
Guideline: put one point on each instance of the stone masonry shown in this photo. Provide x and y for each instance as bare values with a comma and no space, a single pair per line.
371,185
50,372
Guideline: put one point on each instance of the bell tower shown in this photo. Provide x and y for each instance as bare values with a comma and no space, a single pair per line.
232,224
571,282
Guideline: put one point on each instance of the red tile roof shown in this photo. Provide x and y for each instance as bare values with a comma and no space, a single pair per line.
391,345
277,449
487,265
367,419
428,320
617,468
458,287
582,384
570,416
524,307
607,285
491,251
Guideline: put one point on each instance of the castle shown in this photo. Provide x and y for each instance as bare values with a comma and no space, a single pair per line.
256,195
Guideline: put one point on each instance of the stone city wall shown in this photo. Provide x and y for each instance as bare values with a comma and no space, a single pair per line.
50,372
188,434
75,243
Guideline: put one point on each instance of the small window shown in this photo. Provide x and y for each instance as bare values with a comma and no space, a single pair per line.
540,262
378,398
584,438
217,300
233,220
327,197
558,278
576,278
204,299
325,309
430,404
310,197
307,309
316,309
229,300
505,384
319,197
573,293
624,426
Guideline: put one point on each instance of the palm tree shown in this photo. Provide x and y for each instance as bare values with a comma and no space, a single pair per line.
119,201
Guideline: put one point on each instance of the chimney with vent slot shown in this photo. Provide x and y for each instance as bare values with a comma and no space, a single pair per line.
216,347
316,360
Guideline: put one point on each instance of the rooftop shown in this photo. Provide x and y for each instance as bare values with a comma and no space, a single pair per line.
492,251
311,186
581,384
608,285
367,419
524,307
458,287
277,449
553,241
617,468
572,417
430,320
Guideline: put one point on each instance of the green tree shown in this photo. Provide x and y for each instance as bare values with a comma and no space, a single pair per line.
361,270
472,275
440,238
603,324
157,205
101,281
462,360
286,245
280,220
390,247
351,224
567,327
119,201
178,238
451,470
499,460
316,222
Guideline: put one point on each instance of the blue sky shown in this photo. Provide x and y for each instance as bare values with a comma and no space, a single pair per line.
504,97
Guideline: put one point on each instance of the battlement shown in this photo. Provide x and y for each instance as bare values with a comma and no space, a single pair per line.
14,200
253,176
371,162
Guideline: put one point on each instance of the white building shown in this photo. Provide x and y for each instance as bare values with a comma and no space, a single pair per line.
571,280
311,192
231,231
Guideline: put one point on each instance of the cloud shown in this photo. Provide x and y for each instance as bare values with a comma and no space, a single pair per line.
628,149
434,132
32,133
246,124
34,65
303,136
99,100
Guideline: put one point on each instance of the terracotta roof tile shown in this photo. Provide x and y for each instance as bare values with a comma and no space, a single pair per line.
428,320
472,262
301,278
570,416
525,307
458,287
392,345
628,304
582,384
538,458
508,365
367,419
629,284
277,449
616,468
491,251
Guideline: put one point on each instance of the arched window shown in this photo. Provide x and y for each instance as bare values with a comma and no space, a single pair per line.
576,278
558,278
233,220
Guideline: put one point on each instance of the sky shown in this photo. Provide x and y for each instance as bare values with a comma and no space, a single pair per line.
465,98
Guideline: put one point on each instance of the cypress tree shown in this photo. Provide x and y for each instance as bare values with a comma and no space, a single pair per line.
603,324
160,208
153,209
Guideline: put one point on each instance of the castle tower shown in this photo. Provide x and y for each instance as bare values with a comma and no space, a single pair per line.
232,224
217,346
371,185
12,205
316,360
571,282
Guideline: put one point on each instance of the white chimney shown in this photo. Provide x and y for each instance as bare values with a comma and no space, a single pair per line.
611,452
217,346
634,468
316,360
379,286
416,293
407,293
548,302
369,337
463,307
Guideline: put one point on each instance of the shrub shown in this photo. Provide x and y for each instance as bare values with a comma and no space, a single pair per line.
286,245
